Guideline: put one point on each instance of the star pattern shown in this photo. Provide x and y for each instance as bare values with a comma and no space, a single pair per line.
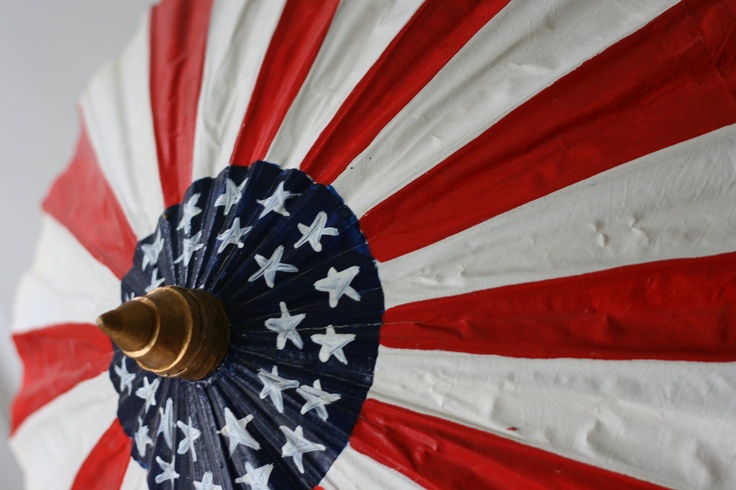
269,267
142,439
285,326
233,236
316,399
189,210
273,385
276,202
151,251
296,445
235,430
189,246
256,478
207,483
191,434
332,344
313,233
155,281
166,425
168,473
231,196
126,378
337,284
148,392
296,279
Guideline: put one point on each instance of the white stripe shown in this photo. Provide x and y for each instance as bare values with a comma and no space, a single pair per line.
117,113
359,33
135,477
65,283
524,49
53,442
355,471
673,423
676,203
239,35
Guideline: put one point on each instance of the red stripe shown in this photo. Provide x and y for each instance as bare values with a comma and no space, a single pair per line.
105,467
673,310
82,201
178,40
435,34
442,455
654,89
55,360
717,26
294,46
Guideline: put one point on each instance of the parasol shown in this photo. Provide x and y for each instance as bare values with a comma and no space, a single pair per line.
486,244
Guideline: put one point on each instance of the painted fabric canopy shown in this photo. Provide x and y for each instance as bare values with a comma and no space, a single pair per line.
468,244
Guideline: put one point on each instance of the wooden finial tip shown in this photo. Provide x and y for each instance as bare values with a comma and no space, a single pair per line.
112,321
131,325
172,331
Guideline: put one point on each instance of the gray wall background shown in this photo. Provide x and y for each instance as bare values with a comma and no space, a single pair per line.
48,51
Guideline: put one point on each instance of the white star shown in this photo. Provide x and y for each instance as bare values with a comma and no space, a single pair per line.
189,211
155,281
332,344
256,478
189,246
337,284
235,430
269,267
276,202
148,392
296,445
191,434
126,378
316,399
129,296
314,232
167,471
141,438
231,196
151,251
166,423
233,236
206,483
286,327
273,385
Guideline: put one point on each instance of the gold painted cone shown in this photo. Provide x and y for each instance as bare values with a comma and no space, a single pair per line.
172,331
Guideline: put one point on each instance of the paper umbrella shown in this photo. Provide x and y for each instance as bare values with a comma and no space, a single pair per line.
442,244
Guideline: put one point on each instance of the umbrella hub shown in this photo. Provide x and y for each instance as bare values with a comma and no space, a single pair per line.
171,331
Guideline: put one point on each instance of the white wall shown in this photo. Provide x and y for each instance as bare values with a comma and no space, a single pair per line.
48,51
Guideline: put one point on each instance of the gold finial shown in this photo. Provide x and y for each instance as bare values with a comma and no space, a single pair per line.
171,331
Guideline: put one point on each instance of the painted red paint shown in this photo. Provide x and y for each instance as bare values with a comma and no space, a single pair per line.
82,200
716,21
105,467
178,40
291,53
441,455
55,359
656,88
670,310
429,40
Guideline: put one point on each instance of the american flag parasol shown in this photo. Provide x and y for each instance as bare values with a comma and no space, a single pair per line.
469,244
